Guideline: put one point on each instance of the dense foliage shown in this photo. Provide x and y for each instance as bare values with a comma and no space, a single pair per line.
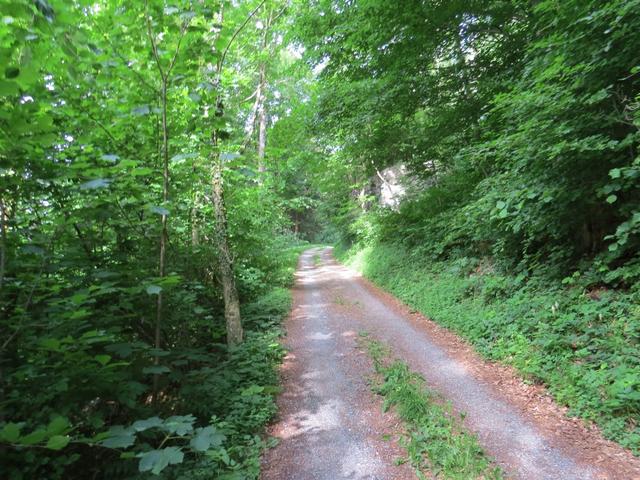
113,346
159,161
519,124
523,118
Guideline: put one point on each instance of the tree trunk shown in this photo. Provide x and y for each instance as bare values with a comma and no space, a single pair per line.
262,117
225,260
195,227
3,243
165,197
262,96
157,340
164,236
251,123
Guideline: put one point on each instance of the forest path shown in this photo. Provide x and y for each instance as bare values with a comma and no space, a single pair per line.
331,426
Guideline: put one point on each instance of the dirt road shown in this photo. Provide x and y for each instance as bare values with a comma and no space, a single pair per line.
331,425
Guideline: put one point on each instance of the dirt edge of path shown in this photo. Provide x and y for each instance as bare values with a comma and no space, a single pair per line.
569,434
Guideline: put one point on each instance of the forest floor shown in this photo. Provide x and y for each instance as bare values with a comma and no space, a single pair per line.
331,426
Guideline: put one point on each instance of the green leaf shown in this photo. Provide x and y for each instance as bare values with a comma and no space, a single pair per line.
611,198
206,438
8,88
57,426
141,110
142,425
50,343
252,390
100,436
154,289
182,156
157,460
170,280
58,442
121,349
228,156
126,163
97,183
158,352
34,437
179,424
119,437
10,432
102,359
159,210
80,313
138,172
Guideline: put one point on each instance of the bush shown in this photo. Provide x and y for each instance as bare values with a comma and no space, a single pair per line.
583,344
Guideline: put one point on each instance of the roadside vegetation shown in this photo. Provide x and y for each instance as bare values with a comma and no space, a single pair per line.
518,124
209,423
147,236
562,336
163,162
436,442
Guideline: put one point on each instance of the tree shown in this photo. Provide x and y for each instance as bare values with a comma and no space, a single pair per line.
225,260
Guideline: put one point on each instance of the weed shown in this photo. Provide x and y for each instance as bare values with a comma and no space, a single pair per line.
436,441
340,300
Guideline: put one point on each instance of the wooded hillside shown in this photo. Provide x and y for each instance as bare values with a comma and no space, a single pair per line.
523,117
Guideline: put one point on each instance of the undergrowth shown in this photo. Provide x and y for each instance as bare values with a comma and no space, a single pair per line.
436,442
237,391
210,421
582,344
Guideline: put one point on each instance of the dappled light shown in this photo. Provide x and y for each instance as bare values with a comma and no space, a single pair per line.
401,238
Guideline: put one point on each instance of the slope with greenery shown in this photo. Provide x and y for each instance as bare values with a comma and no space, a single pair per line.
521,120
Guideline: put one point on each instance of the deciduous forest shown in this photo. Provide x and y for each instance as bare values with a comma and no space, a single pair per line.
163,164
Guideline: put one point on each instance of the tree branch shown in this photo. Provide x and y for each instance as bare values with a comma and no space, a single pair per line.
237,32
154,47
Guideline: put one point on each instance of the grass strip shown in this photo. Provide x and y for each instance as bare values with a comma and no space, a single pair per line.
436,442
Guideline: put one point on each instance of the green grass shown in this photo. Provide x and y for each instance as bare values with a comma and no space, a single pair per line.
584,348
436,442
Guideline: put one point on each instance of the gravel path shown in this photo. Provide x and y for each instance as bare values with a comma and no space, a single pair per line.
331,427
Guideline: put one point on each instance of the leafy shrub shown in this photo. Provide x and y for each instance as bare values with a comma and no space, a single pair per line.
582,344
